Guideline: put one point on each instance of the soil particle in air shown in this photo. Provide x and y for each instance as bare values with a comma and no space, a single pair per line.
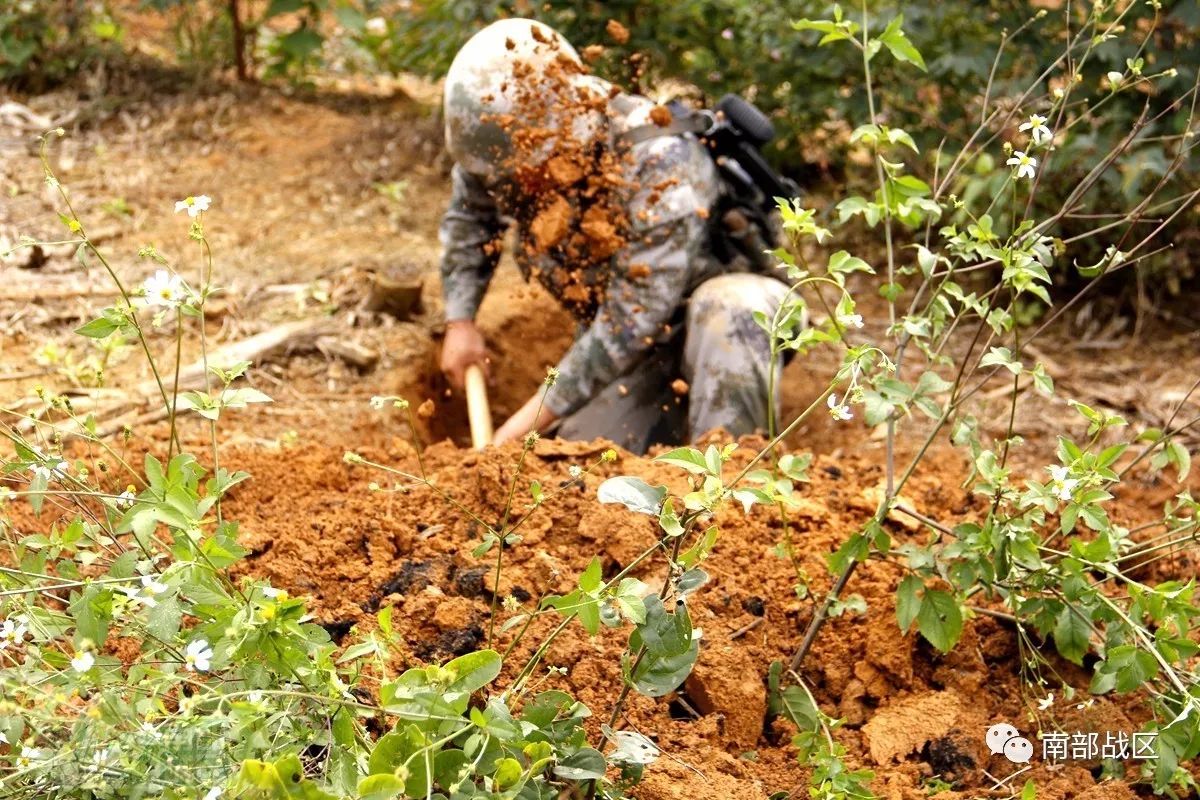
617,32
661,116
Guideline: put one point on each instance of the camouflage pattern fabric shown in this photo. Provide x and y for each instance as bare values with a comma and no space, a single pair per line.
667,258
721,354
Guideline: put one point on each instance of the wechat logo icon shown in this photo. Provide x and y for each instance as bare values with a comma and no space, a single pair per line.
1003,738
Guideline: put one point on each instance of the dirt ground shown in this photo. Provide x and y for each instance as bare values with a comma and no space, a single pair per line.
314,193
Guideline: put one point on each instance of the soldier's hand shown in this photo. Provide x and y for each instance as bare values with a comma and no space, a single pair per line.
464,346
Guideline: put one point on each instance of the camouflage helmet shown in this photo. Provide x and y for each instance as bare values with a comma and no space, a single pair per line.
506,75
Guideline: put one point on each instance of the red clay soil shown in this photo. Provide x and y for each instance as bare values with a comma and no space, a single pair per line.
912,715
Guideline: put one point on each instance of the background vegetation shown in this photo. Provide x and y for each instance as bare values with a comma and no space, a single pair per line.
708,48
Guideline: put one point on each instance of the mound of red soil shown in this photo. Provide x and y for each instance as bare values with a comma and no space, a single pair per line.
911,713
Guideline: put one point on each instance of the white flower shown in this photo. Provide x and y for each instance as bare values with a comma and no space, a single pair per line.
28,756
838,410
126,499
136,597
54,468
198,656
151,586
377,26
575,471
275,594
1046,702
1036,125
1062,485
1058,93
150,729
83,661
1115,79
1026,165
12,632
378,402
3,739
850,320
213,793
102,758
193,205
164,289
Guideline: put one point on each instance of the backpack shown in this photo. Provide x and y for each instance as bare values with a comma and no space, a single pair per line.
742,226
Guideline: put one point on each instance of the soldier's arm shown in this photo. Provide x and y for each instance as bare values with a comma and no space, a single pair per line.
470,235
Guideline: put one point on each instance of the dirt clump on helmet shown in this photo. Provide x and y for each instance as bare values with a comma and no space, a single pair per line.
541,142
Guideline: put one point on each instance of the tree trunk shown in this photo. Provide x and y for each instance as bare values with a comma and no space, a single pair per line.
239,40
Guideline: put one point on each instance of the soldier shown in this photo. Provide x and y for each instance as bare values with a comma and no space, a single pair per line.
612,214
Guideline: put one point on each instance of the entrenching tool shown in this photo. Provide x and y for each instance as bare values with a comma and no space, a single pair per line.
478,412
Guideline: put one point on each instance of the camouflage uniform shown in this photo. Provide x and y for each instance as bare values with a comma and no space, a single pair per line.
687,317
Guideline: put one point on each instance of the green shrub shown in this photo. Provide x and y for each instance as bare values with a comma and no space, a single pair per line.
43,43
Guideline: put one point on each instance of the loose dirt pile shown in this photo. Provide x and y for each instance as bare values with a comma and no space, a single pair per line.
913,715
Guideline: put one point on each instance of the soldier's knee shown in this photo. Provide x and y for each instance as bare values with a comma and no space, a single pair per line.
736,293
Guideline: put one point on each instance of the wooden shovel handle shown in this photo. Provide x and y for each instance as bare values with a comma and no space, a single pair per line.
478,412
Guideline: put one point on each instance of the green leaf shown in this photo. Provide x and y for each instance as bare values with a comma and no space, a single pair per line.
97,328
688,458
628,598
748,497
841,263
855,548
123,566
200,402
301,43
447,765
1180,457
1071,634
164,619
592,577
908,601
940,619
671,651
508,772
383,786
633,493
584,764
664,633
582,605
668,519
1042,380
659,675
278,7
399,746
1001,357
281,780
690,581
474,670
1133,667
798,707
350,18
701,549
896,41
240,398
796,466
